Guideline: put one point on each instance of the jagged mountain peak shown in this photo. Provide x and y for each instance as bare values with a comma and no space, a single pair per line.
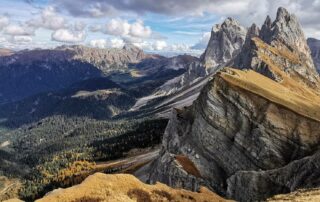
285,29
225,42
226,24
280,43
282,13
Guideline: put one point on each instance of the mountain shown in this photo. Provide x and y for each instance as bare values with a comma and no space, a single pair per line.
225,43
5,52
29,72
314,45
252,132
284,36
96,98
107,60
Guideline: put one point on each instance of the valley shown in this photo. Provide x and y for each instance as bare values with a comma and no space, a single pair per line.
240,122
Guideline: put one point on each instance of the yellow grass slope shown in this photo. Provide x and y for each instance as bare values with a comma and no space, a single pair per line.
311,195
288,94
126,188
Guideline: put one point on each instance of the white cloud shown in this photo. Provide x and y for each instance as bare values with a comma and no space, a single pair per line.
120,27
159,45
98,43
117,43
18,30
79,26
48,19
203,42
22,39
110,43
95,28
4,21
68,36
117,27
138,29
3,39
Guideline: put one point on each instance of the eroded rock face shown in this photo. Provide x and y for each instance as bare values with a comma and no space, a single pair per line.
225,43
249,140
229,130
314,45
287,48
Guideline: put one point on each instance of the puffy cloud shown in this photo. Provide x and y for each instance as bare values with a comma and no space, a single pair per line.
96,28
117,27
246,11
117,43
98,43
21,39
48,19
111,43
159,45
120,27
203,42
4,21
138,29
68,36
18,30
79,26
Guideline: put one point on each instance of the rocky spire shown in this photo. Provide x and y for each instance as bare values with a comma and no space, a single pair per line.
284,34
225,42
287,30
243,60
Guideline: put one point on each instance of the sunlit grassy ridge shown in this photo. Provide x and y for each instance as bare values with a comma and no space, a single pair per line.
289,94
126,188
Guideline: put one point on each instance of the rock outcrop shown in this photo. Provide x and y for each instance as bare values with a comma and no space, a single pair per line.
251,133
281,43
126,188
314,45
225,43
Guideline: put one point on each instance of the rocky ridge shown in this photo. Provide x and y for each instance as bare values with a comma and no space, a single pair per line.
225,43
126,188
252,132
314,45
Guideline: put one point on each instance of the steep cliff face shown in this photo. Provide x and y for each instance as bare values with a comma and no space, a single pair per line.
314,45
225,43
251,133
280,43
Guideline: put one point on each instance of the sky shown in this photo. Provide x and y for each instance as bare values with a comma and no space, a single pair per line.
181,26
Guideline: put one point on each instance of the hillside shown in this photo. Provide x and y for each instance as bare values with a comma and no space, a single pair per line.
253,131
125,188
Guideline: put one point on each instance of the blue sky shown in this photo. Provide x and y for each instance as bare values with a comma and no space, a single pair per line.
154,25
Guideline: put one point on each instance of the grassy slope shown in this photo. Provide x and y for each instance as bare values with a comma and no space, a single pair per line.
122,187
305,103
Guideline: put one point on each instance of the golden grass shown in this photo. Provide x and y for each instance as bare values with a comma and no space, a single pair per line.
307,195
188,165
288,94
296,81
136,74
126,188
